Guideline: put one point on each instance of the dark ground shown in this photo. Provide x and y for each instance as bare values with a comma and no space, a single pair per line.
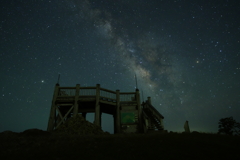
46,145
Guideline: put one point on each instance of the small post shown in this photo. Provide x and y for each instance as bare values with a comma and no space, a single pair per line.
75,108
186,127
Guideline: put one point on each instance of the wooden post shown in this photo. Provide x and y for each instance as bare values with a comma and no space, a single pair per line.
114,122
117,116
139,111
75,109
97,120
52,116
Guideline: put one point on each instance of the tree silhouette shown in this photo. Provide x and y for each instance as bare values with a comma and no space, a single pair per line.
228,126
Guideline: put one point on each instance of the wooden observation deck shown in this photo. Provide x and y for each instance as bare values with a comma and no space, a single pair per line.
130,116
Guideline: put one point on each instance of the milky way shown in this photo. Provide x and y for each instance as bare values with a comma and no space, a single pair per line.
151,56
159,63
184,55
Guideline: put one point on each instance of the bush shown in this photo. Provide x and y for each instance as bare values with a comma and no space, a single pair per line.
228,126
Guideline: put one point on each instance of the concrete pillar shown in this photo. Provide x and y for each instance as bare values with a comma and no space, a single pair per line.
97,120
75,108
52,116
117,124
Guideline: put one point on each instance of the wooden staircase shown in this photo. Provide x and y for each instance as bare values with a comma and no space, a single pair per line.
153,117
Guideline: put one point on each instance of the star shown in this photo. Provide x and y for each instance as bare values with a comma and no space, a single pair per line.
93,42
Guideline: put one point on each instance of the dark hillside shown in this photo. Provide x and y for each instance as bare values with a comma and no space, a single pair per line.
134,146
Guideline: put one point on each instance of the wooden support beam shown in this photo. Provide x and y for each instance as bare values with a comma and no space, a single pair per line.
69,111
75,110
57,120
52,116
59,113
97,120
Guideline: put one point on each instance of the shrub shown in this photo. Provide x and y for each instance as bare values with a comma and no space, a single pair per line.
228,126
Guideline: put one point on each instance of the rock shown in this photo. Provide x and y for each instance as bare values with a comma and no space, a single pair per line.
79,126
35,132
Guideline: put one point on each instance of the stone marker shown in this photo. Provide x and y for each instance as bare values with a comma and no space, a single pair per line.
186,127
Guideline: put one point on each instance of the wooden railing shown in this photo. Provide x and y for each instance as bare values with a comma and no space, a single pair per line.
149,106
128,96
105,94
87,91
108,95
67,91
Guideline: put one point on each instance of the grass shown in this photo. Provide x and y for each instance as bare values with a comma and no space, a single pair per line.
133,146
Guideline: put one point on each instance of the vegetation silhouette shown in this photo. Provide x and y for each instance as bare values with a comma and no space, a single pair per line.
228,126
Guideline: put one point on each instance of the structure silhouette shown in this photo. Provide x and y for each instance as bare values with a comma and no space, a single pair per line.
130,116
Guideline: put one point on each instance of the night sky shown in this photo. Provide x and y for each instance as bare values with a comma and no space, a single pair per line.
185,53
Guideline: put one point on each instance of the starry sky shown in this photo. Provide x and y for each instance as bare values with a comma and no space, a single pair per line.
185,54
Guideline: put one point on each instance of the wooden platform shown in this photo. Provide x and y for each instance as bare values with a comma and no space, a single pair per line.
125,107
